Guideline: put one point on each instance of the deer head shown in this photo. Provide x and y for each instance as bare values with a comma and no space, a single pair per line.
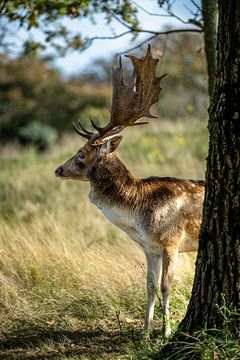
130,102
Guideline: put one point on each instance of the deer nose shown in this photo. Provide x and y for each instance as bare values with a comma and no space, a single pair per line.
58,171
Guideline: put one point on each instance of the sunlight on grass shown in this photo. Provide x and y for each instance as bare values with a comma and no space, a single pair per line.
66,272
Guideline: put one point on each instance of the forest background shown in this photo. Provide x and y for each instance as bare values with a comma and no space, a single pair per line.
61,293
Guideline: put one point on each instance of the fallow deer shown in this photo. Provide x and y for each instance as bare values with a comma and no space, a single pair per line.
161,214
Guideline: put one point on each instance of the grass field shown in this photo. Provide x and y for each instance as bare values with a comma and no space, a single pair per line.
73,285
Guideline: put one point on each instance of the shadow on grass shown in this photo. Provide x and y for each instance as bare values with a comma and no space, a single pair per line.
42,343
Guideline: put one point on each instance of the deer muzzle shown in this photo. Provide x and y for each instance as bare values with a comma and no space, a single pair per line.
59,171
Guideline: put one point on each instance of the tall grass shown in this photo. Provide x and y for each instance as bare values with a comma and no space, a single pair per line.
66,274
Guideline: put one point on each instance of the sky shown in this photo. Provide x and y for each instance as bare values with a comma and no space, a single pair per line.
75,61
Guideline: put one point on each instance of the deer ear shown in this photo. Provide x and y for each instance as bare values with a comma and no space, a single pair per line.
110,145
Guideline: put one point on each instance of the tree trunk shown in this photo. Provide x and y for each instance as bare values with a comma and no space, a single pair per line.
217,278
209,11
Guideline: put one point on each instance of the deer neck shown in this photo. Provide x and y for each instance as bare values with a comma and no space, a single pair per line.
112,183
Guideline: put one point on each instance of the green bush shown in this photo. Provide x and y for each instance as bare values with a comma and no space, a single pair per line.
30,91
38,134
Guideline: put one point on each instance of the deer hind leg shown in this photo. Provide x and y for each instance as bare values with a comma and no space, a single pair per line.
153,277
168,265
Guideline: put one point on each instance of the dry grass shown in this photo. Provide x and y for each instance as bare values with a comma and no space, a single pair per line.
72,285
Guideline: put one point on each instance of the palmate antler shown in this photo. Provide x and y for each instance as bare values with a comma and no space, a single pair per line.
129,102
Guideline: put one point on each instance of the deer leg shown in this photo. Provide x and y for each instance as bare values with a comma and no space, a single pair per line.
168,265
153,276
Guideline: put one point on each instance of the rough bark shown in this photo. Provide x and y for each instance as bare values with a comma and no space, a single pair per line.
217,278
209,11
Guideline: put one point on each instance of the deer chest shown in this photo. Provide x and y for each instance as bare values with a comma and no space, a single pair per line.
122,218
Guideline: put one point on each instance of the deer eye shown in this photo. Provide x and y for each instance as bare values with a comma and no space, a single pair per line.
81,156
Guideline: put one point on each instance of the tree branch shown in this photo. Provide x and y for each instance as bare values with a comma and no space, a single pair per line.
170,13
121,21
190,21
148,12
167,32
195,15
139,45
3,6
196,5
156,34
110,37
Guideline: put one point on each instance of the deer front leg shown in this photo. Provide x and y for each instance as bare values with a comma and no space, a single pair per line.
153,276
168,265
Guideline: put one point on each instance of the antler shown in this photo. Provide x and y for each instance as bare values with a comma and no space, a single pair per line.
132,101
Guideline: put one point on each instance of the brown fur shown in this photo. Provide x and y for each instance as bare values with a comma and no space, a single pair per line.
162,214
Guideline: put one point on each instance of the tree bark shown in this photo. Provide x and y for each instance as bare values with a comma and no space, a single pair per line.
209,11
217,277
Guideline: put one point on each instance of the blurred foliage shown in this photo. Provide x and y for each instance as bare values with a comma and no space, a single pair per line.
182,58
48,16
36,133
37,104
32,93
185,88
